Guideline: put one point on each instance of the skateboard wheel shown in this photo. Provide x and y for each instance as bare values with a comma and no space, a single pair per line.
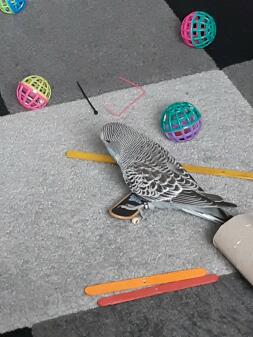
136,221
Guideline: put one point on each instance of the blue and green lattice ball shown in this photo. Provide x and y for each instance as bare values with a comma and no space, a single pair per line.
12,6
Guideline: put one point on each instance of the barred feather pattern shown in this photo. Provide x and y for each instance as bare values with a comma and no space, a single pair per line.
155,175
151,172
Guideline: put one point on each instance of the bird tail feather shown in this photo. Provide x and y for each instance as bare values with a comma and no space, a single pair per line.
219,200
214,214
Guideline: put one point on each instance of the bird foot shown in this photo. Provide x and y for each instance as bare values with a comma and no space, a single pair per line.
140,208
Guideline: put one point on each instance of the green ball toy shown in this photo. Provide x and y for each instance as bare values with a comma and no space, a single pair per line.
198,29
181,122
12,6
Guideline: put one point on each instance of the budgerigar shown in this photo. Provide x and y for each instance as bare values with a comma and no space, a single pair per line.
155,176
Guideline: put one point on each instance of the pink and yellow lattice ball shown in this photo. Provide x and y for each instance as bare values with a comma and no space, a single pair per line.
33,92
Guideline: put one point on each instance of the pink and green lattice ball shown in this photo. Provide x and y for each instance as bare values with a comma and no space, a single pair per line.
198,29
33,92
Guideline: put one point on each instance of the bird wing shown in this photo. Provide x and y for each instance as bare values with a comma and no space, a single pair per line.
164,184
186,175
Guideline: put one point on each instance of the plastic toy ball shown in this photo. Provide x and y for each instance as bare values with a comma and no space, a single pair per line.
33,92
181,122
198,29
12,6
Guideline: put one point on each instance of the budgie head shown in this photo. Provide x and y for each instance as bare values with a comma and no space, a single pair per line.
119,139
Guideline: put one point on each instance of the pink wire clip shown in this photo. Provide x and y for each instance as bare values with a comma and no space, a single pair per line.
138,87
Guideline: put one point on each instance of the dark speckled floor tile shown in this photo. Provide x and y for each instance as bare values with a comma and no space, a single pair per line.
222,309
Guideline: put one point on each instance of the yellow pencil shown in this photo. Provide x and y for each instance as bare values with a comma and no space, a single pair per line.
104,158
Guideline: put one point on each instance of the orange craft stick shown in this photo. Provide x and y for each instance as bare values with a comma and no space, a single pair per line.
157,290
141,282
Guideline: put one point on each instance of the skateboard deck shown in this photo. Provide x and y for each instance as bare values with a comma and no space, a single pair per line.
127,214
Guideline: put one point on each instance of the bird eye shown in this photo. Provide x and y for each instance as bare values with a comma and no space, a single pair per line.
107,141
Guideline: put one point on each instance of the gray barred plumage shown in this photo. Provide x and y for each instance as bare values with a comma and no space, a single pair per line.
154,175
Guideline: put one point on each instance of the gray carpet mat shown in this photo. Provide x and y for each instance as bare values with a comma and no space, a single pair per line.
222,309
94,42
56,235
242,76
